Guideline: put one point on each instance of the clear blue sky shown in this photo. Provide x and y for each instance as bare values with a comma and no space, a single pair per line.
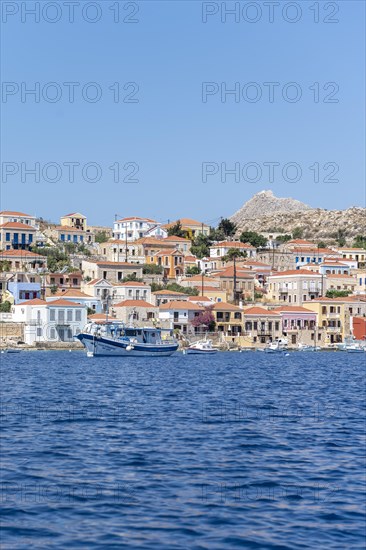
170,132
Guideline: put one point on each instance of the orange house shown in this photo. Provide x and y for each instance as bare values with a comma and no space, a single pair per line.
172,260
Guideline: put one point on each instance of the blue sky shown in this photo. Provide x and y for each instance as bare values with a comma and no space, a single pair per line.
170,131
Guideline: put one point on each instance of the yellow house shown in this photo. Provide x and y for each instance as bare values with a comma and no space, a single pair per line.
172,260
75,220
332,318
192,228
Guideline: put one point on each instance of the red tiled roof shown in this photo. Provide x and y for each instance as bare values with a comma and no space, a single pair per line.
17,225
17,214
35,302
67,228
260,311
73,293
293,309
73,214
64,303
183,305
131,283
134,303
223,306
135,218
20,254
240,273
168,293
295,272
232,244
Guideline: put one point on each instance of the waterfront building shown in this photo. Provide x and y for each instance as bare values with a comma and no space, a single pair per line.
298,324
262,325
331,318
9,216
239,283
57,321
178,314
228,318
78,297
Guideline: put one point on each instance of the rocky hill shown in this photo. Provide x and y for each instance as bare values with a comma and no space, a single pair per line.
266,213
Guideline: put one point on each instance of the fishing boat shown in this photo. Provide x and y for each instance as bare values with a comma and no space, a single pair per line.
202,347
115,339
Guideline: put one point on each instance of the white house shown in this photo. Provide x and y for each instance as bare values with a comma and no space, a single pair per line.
78,297
135,227
132,290
218,250
179,314
57,321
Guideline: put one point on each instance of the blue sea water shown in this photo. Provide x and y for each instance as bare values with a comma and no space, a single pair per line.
236,450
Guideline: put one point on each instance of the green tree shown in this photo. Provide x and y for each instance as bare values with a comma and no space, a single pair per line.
227,227
283,238
234,253
193,270
152,269
360,241
101,237
201,246
333,293
176,230
322,244
191,291
5,265
297,233
255,239
131,277
5,307
53,289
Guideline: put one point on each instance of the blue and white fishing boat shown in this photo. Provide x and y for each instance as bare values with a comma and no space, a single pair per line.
115,339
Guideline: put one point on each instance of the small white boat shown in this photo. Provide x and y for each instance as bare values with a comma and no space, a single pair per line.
351,345
277,346
307,347
202,347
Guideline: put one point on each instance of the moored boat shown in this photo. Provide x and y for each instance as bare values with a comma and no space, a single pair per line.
202,347
115,339
277,346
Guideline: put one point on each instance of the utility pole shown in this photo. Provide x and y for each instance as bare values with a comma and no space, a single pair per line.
234,279
202,284
126,255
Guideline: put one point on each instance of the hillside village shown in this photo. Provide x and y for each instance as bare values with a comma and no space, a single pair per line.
245,288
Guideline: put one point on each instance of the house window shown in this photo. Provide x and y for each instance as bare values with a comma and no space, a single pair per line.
52,315
52,334
78,315
277,325
69,314
39,332
61,315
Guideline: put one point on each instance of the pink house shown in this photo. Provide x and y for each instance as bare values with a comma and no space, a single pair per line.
296,318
